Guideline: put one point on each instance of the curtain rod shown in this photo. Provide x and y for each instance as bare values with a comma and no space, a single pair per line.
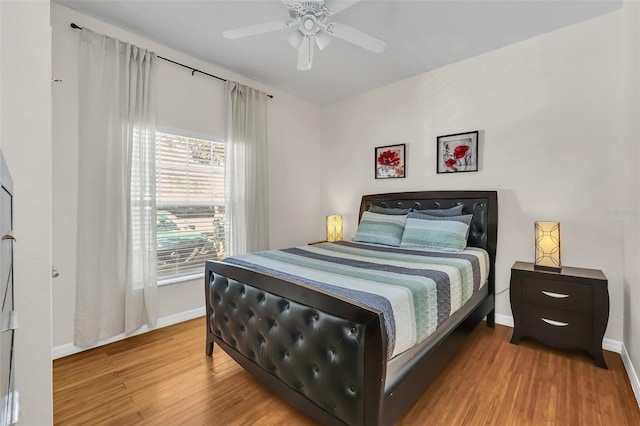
193,70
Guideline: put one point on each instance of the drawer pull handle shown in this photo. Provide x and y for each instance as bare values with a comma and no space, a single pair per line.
555,323
555,295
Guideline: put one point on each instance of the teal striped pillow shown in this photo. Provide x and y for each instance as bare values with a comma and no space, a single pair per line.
380,229
447,233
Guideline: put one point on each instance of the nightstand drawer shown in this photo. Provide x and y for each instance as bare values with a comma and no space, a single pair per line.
557,294
556,327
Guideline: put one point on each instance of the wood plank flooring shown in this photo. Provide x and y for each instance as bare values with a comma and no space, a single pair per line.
165,378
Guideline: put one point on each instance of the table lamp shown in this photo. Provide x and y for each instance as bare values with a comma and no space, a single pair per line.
334,228
547,236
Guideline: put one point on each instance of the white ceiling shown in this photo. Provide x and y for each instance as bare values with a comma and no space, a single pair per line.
422,35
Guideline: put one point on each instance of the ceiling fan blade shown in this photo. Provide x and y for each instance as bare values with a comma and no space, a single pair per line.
356,37
305,54
258,29
336,6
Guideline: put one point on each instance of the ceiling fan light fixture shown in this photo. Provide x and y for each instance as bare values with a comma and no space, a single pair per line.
295,39
322,40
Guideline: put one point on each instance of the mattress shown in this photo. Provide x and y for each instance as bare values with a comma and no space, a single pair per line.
416,289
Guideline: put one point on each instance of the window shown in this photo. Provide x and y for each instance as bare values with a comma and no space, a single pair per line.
189,203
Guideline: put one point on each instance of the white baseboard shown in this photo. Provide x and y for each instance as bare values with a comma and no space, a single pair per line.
612,345
631,372
506,320
70,348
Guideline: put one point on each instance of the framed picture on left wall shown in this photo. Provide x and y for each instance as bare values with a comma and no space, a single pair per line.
390,161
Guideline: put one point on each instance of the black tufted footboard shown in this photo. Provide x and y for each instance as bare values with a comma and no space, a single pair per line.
307,345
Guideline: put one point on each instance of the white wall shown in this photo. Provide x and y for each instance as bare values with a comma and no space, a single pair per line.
548,110
631,116
26,143
192,103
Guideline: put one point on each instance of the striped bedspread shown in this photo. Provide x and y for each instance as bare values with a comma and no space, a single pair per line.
416,289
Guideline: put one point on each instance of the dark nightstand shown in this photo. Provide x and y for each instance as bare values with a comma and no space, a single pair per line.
317,242
568,309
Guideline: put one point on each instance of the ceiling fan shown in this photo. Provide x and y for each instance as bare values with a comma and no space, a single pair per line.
311,20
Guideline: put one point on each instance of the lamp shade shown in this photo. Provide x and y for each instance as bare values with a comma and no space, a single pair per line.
547,245
334,228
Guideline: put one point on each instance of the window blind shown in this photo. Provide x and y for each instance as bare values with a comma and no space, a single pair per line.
189,203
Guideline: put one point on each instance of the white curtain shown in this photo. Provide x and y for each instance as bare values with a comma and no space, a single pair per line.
246,194
116,287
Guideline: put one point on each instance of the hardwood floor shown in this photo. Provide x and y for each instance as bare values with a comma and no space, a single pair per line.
165,378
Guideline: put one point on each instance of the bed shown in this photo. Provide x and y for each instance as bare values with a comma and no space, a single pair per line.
340,358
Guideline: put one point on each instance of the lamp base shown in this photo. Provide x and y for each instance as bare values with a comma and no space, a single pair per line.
547,268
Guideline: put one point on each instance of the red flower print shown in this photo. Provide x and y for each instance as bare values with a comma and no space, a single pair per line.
389,158
460,151
457,155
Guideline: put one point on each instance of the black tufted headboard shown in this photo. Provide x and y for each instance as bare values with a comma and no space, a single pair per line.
483,205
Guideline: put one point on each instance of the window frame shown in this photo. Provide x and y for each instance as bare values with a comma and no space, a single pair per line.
187,276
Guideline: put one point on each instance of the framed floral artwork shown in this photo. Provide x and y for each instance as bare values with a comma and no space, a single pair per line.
390,161
458,153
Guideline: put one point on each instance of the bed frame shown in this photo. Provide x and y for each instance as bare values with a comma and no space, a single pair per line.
324,354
